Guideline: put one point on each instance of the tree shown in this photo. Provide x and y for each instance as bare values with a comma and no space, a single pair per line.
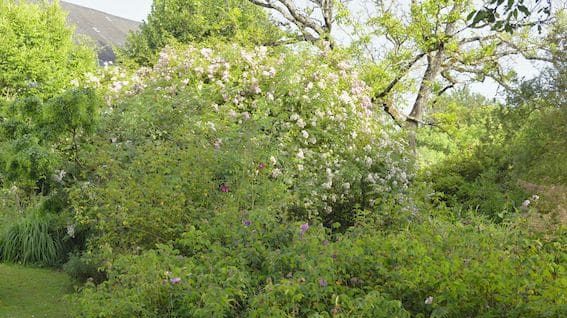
508,15
310,28
37,53
428,46
38,137
197,21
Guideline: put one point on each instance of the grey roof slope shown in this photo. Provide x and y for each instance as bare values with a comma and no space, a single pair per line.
105,29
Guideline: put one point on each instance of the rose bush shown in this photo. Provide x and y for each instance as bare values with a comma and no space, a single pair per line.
205,123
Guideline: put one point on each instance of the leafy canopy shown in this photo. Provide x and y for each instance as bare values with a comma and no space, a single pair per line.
188,21
37,53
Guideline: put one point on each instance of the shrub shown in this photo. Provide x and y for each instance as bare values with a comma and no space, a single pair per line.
32,240
495,149
41,141
262,265
205,125
82,269
187,21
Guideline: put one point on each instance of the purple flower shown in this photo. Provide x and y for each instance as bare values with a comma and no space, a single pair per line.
224,188
175,280
247,222
303,228
261,166
322,282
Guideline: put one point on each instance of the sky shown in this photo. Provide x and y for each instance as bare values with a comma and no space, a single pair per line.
131,9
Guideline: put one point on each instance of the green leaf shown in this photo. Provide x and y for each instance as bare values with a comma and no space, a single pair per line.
471,15
480,16
524,10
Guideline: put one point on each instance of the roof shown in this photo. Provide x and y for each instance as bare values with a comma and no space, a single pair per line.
105,29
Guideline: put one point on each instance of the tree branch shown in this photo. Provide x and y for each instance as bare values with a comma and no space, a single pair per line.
401,75
303,22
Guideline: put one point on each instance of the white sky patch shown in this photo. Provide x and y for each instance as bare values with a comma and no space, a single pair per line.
136,10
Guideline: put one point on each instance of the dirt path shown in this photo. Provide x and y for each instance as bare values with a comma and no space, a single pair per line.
553,201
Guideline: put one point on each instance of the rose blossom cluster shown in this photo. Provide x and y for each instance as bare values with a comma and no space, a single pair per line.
331,145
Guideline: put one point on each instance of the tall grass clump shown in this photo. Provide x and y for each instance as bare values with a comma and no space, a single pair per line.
30,240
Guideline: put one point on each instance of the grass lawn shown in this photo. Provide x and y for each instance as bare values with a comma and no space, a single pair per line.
33,292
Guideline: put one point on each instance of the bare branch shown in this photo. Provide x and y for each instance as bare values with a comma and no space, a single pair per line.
446,88
479,38
394,114
307,25
524,53
302,18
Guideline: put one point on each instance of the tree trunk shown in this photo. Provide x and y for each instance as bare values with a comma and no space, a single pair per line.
431,72
416,115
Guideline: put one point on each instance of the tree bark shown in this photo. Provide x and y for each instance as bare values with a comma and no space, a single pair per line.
434,62
416,115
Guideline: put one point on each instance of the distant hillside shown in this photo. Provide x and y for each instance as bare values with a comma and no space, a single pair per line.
105,29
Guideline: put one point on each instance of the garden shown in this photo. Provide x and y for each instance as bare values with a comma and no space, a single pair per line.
232,165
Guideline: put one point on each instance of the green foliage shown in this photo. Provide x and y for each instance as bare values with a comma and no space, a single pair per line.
37,53
259,121
484,152
539,143
508,15
23,157
256,182
462,120
32,240
269,267
38,137
187,21
81,269
477,270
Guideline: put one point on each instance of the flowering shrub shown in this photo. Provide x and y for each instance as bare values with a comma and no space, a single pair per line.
319,132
